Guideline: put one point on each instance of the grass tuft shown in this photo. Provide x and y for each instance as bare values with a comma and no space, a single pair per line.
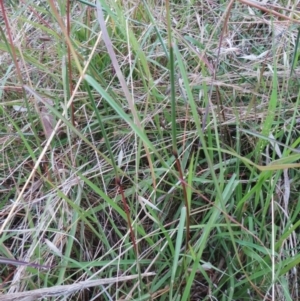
149,150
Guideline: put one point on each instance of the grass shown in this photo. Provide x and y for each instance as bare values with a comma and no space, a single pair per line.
149,150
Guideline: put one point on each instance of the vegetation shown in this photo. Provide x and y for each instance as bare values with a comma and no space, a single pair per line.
149,150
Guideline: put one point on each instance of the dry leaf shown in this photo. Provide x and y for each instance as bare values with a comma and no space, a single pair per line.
19,108
47,121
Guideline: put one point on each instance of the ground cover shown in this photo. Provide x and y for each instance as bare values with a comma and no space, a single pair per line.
149,150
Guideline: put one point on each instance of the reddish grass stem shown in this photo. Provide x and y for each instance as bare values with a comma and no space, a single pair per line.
12,47
127,211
